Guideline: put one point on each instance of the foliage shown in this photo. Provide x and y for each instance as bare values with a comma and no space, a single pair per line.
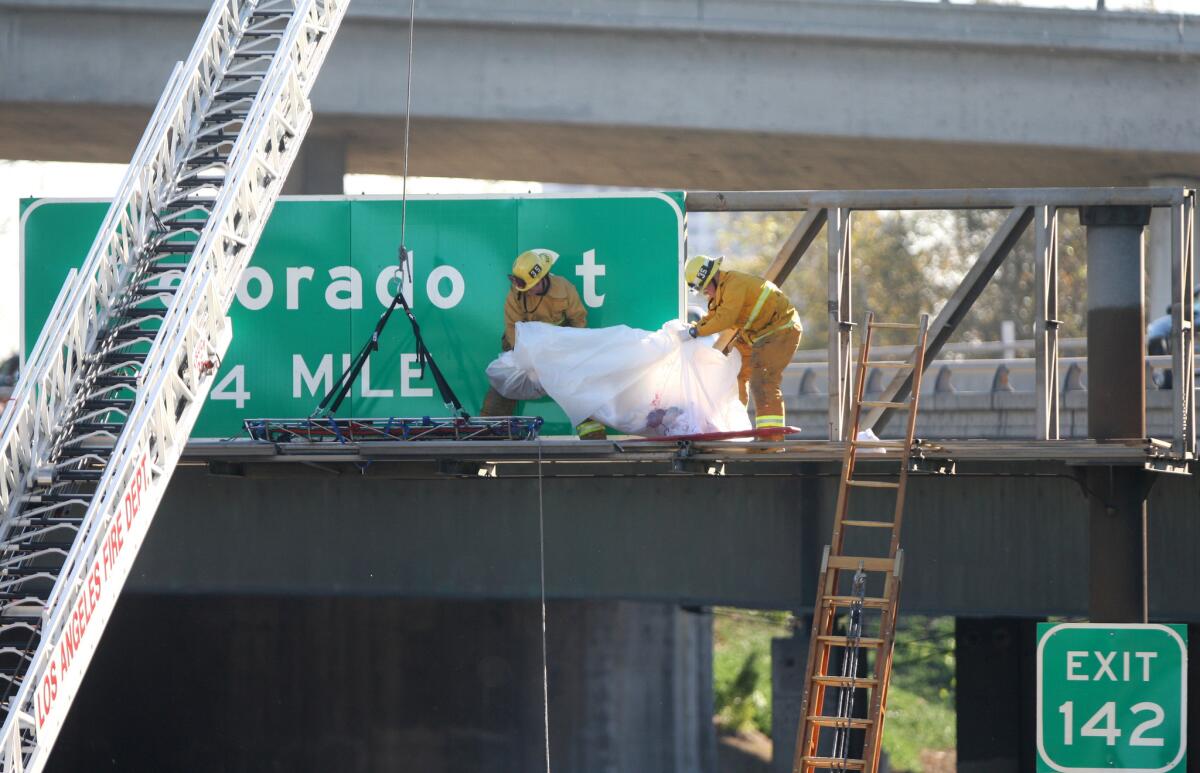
921,711
907,263
923,659
920,698
742,667
915,723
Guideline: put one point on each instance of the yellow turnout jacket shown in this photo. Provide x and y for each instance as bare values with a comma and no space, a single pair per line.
559,306
753,306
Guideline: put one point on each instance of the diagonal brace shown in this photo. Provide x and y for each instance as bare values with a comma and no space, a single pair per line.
956,308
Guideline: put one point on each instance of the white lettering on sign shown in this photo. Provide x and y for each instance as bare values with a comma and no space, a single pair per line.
408,373
1104,669
383,284
294,275
232,387
62,653
445,287
1074,663
367,391
589,271
345,291
318,383
265,288
433,287
1146,657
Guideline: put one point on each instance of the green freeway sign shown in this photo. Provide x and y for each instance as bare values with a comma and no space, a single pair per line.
325,270
1112,698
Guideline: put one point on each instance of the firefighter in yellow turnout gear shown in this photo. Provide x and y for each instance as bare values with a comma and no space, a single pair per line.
767,333
536,295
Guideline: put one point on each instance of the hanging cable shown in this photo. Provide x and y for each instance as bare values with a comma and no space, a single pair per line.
412,19
333,399
542,571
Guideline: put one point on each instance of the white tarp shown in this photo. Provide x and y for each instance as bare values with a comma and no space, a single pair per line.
637,381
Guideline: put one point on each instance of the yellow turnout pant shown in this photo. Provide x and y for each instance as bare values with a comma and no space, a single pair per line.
762,372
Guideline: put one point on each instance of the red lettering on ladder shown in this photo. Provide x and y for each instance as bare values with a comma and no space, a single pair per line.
62,655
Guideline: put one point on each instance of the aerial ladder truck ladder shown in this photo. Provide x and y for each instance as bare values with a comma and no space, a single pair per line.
113,386
858,590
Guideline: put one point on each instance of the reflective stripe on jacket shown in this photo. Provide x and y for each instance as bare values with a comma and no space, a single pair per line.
753,306
559,306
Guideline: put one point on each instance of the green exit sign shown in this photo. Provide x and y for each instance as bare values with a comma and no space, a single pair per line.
1112,698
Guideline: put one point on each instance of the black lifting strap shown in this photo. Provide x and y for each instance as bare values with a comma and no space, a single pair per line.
342,388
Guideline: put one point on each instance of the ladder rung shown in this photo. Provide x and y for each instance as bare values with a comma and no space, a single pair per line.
869,563
884,404
122,405
868,524
830,680
895,326
872,484
868,602
79,474
844,641
854,723
235,94
834,763
889,364
175,248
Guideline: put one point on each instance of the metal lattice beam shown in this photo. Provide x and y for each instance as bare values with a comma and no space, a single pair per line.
957,307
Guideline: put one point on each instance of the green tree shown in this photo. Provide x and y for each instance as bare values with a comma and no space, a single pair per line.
907,263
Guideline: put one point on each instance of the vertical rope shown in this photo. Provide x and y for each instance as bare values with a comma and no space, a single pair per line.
542,570
412,17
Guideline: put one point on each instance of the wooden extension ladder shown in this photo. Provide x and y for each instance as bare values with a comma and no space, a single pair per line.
854,619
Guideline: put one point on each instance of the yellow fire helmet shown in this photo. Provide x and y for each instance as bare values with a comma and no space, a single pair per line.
699,271
531,267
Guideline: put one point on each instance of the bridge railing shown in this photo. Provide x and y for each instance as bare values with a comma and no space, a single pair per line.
1036,208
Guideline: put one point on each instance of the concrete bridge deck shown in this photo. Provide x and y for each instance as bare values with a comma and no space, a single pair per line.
625,456
676,93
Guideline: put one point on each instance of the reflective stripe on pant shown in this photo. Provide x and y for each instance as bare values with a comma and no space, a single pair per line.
768,358
591,430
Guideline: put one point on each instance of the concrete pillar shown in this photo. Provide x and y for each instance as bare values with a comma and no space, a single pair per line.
995,669
788,659
1116,409
1158,263
319,168
359,685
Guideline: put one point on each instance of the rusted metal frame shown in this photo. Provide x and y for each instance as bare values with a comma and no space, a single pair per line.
953,198
788,257
796,245
813,697
1046,322
1183,325
883,669
956,308
841,324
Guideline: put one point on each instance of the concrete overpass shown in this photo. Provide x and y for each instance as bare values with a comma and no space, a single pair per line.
674,93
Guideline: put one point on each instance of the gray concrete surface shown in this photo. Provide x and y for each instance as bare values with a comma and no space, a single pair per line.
366,685
997,539
990,399
671,93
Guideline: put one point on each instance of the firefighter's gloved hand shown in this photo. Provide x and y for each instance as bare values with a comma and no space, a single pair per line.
691,331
